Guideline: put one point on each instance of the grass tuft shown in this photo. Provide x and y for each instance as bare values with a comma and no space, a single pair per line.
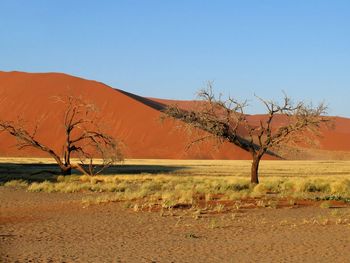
17,183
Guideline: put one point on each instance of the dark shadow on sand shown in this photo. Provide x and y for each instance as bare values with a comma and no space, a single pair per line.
39,172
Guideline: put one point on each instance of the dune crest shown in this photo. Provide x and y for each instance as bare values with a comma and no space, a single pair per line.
132,119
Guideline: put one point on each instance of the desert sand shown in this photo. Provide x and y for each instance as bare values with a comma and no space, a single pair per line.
332,137
132,119
58,227
42,227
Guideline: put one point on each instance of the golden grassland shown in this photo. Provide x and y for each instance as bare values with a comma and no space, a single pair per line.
237,168
186,183
242,167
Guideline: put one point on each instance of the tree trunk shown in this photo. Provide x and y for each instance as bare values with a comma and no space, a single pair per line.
254,176
66,170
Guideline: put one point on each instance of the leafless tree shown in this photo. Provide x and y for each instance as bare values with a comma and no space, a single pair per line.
225,119
83,138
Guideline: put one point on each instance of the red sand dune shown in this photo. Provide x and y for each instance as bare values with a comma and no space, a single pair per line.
333,141
132,119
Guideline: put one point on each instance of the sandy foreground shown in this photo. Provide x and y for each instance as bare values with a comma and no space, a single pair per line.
54,227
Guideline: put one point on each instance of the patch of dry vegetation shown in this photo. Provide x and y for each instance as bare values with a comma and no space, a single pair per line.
186,191
202,183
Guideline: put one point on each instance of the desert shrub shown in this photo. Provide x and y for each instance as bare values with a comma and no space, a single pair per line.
60,178
112,187
170,191
213,186
341,187
85,178
124,184
16,183
186,186
70,187
68,179
203,189
185,196
45,186
313,186
287,186
151,186
239,186
273,185
141,193
169,199
259,190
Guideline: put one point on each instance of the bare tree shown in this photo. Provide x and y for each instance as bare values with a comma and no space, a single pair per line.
83,138
225,119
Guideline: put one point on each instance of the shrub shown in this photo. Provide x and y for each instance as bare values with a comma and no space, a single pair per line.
16,183
45,186
313,186
239,186
341,187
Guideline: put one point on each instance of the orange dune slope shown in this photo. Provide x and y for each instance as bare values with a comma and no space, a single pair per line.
132,119
332,143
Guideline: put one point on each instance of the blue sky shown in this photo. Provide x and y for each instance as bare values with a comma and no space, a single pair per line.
169,49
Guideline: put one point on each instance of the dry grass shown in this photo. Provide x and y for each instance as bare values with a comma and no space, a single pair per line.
189,183
241,168
186,191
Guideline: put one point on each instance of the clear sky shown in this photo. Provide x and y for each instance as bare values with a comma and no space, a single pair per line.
169,49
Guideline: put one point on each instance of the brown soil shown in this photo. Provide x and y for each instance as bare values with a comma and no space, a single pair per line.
42,227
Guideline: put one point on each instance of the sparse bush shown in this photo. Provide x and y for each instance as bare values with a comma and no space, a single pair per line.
341,187
171,192
259,190
45,186
16,183
85,178
239,186
185,197
60,178
238,195
287,186
313,186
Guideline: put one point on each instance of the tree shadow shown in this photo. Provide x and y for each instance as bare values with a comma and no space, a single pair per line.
39,172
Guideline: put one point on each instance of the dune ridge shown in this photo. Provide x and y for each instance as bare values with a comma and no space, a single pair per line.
133,119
